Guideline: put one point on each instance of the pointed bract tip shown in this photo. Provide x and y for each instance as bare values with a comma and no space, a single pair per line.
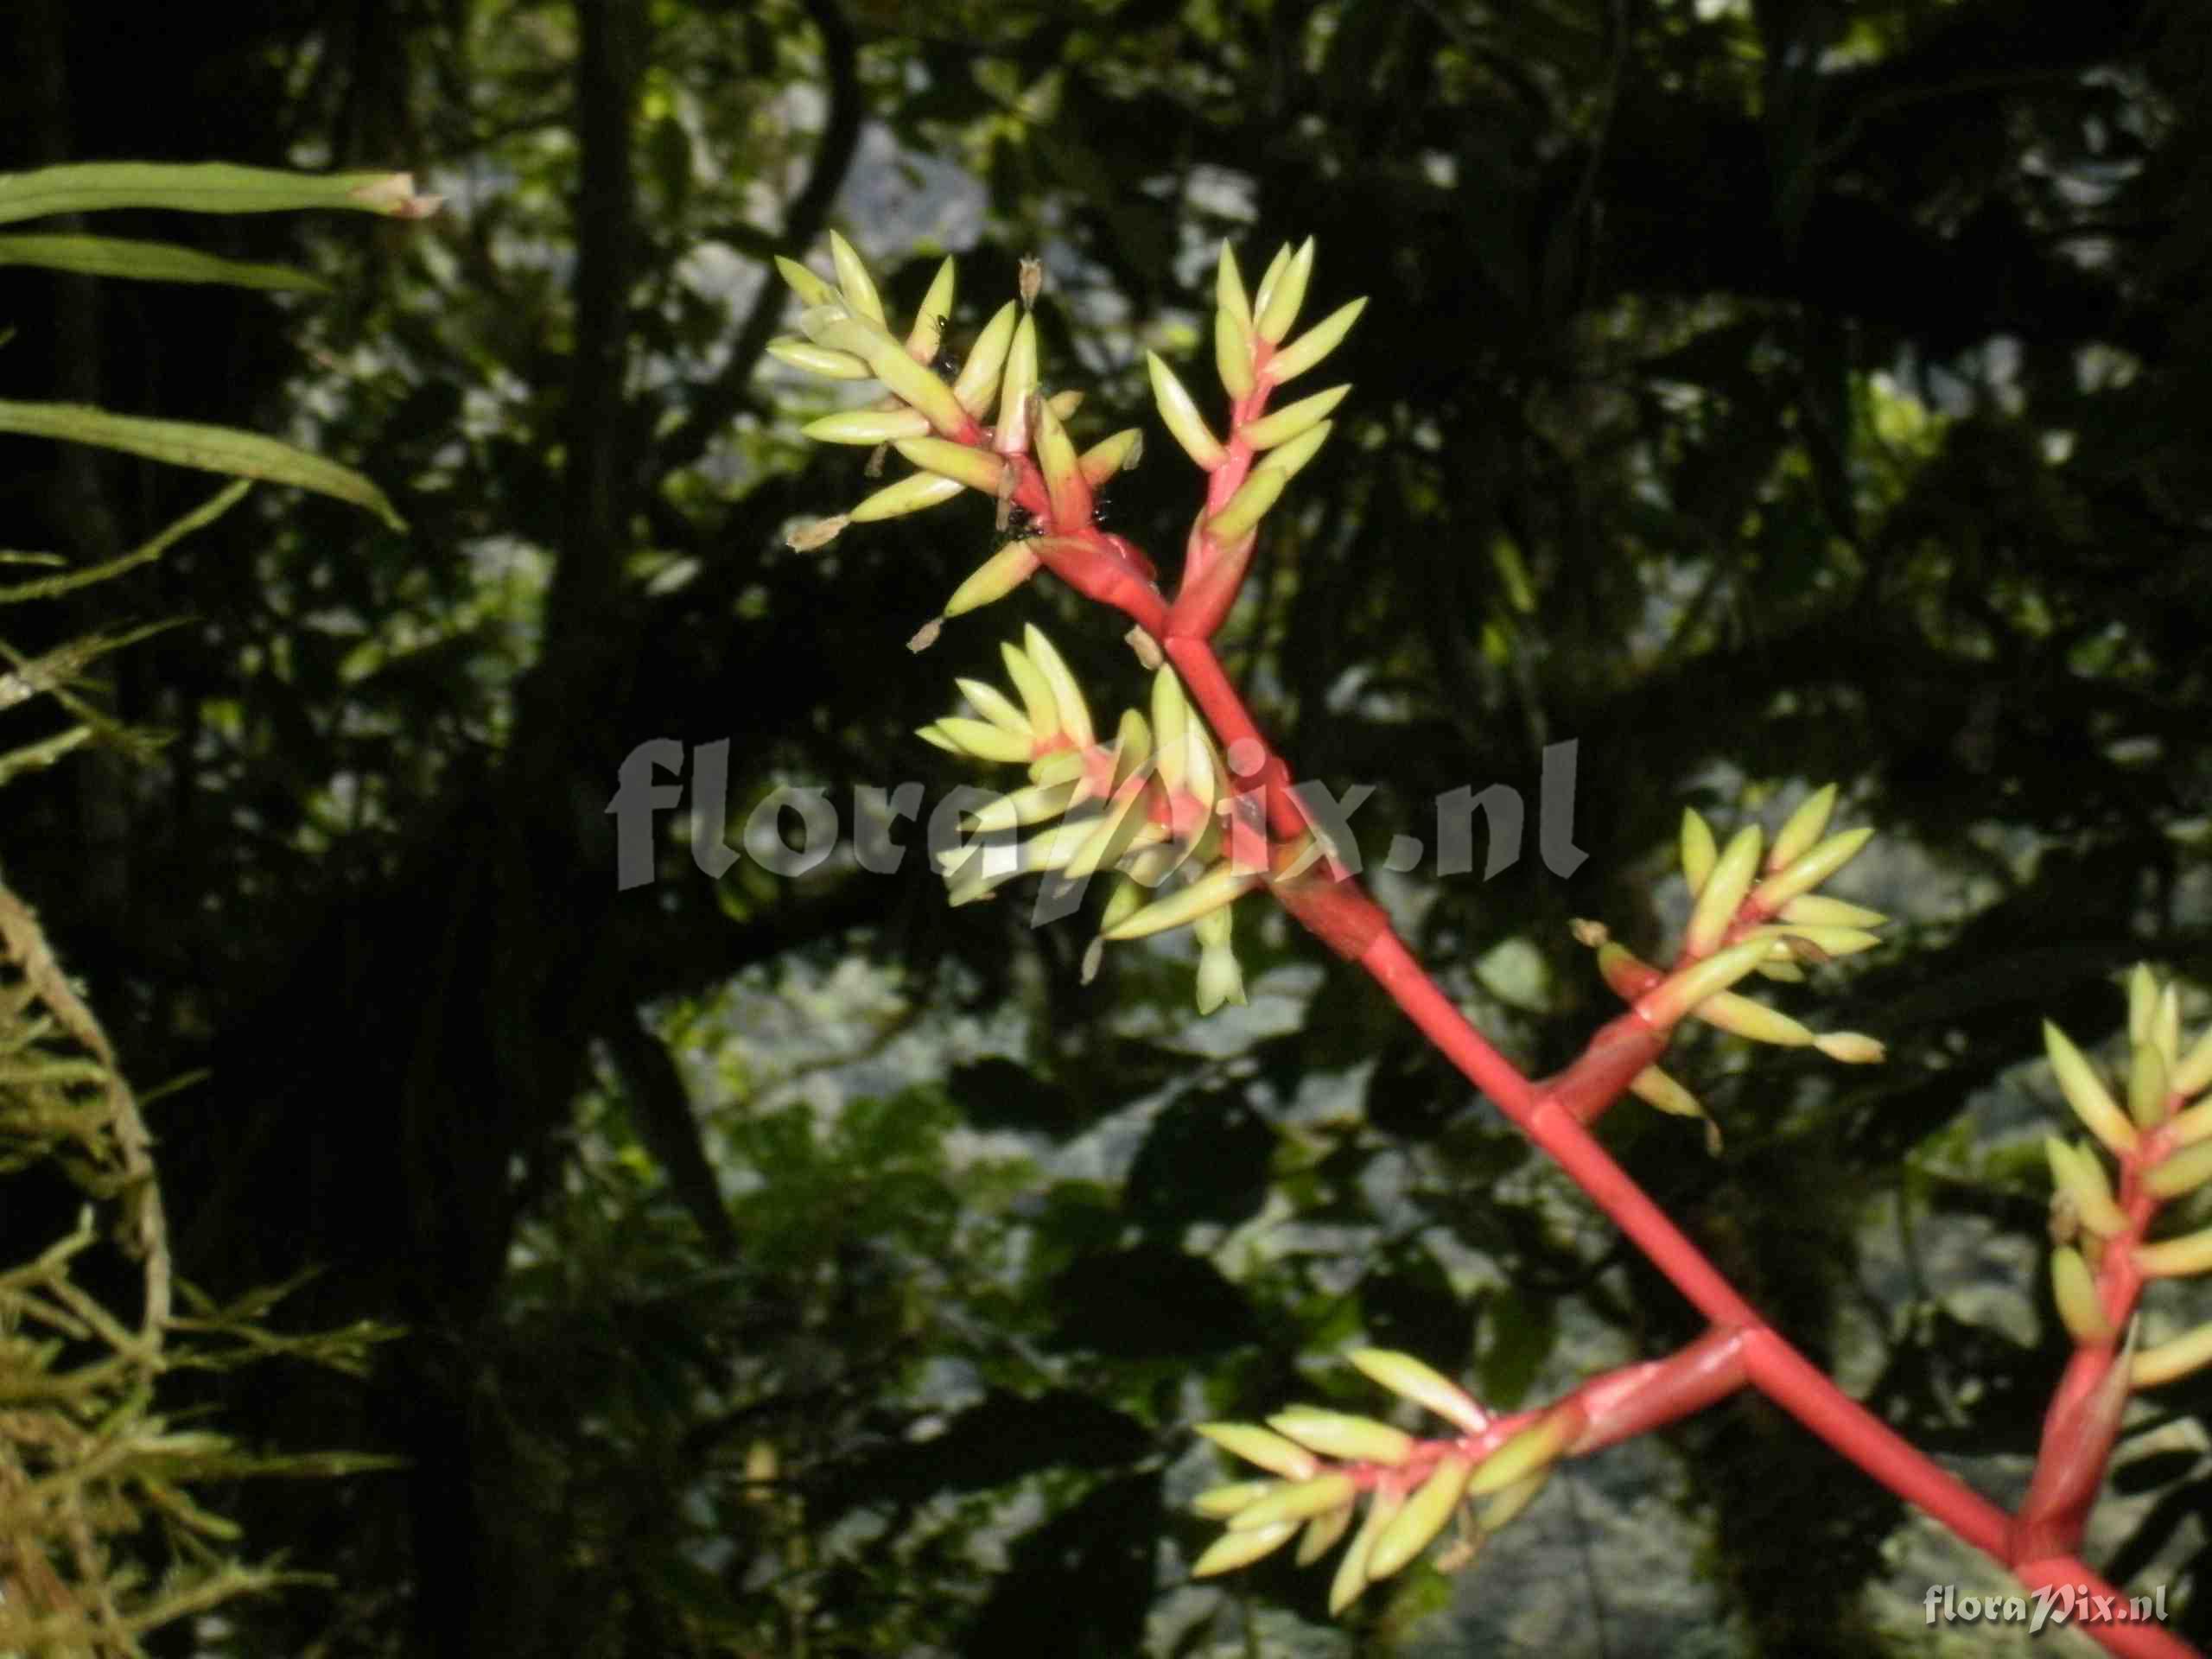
819,534
1181,414
1264,1447
1315,344
1229,286
1698,850
2142,1001
2086,1093
2074,1289
1851,1047
1235,1550
1802,829
1352,1575
927,335
1426,1514
810,289
1724,890
854,281
1279,309
2171,1360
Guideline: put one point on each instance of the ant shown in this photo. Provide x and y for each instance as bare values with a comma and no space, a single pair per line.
1020,525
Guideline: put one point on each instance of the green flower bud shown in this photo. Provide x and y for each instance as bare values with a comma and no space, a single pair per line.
2074,1290
810,289
858,286
1299,1501
1276,307
1293,419
1425,1514
2092,1102
1700,853
2169,1362
979,376
1801,829
1181,414
928,331
818,360
1270,1450
1340,1434
1352,1575
1235,1550
1314,345
1724,891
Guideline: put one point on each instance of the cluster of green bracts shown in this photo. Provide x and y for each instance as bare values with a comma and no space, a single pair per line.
1156,802
1751,915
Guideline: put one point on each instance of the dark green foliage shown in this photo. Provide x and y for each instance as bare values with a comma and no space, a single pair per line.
1205,1159
1149,1301
1078,1584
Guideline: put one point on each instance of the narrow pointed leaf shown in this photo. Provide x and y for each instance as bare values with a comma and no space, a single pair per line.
153,262
211,448
203,187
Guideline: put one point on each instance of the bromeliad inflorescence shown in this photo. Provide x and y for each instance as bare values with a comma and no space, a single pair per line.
1326,1464
1748,916
1155,801
1152,802
1026,459
2101,1254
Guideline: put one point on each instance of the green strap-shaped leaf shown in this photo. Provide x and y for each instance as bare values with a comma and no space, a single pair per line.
203,187
205,513
156,262
188,443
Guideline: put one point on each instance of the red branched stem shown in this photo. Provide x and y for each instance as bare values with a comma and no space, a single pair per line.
1625,1403
1553,1115
1322,895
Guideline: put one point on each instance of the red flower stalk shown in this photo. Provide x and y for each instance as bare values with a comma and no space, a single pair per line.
1752,914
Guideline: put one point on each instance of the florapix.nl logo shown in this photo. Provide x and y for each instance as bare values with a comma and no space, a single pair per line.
795,830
